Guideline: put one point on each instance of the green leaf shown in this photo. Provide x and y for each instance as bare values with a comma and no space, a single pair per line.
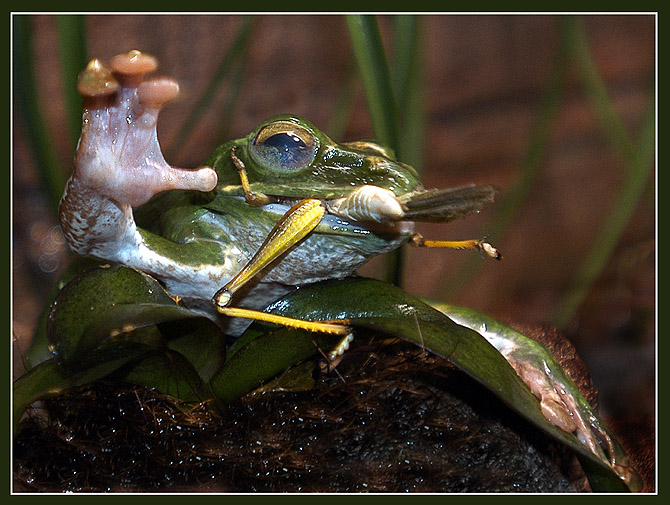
97,303
118,320
170,373
50,379
372,304
520,348
29,110
39,345
264,357
376,76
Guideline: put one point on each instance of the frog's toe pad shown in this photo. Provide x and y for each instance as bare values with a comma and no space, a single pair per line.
96,81
134,63
157,92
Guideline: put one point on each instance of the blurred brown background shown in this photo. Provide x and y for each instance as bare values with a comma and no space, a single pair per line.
484,77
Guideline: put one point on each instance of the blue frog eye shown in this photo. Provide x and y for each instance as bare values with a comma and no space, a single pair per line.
283,146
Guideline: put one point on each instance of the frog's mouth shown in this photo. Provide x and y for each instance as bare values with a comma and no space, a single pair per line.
372,208
375,204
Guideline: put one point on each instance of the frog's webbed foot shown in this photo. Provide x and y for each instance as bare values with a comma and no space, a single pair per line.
119,164
118,153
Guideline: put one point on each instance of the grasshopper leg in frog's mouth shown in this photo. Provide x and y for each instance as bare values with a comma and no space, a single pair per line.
375,204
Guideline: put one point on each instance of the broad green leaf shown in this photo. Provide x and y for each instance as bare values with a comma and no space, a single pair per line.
116,319
170,373
106,310
516,346
82,302
39,345
264,357
381,307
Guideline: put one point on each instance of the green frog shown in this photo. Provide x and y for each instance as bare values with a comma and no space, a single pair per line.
280,208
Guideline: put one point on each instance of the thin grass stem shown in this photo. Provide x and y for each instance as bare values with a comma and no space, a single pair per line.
73,59
511,202
29,111
230,59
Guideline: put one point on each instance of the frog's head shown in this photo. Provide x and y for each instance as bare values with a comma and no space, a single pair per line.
288,158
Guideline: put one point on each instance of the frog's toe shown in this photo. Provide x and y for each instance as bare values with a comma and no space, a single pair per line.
96,81
132,66
119,154
157,92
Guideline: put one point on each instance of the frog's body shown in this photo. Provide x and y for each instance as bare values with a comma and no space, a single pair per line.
336,248
227,233
196,229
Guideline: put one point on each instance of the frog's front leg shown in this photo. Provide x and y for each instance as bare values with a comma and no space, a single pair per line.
253,197
119,164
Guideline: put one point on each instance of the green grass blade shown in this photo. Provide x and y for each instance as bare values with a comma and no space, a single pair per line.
382,103
376,76
639,165
227,110
27,103
73,59
596,90
508,207
605,242
230,59
409,87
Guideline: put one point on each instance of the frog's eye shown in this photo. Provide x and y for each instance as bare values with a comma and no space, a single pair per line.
283,146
